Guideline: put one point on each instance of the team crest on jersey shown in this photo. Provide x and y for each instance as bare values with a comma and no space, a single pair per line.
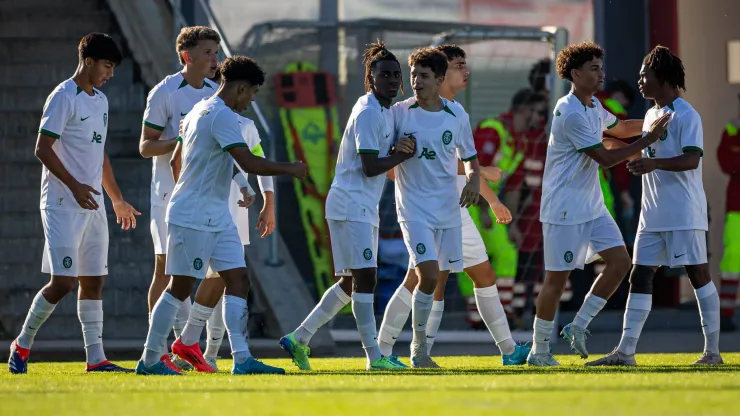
447,137
421,248
664,135
67,262
197,263
568,257
367,254
105,119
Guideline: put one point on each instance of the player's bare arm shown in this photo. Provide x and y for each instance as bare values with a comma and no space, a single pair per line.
176,161
610,144
503,215
125,213
687,161
82,192
489,173
471,192
259,166
372,165
608,158
151,143
626,129
266,219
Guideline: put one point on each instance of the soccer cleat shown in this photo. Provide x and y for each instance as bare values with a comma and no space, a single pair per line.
158,369
614,358
384,363
212,361
518,357
18,360
193,355
298,352
709,358
396,361
254,366
166,360
577,338
419,356
542,360
107,367
181,364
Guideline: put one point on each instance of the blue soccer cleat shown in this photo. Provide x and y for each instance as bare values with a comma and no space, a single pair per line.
253,366
519,356
158,369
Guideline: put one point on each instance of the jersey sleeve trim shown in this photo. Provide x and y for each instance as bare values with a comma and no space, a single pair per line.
693,149
49,133
611,126
234,145
258,151
179,139
367,152
468,159
586,149
154,126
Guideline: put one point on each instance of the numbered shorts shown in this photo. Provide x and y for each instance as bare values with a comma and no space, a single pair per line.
441,245
76,243
473,249
670,248
569,247
191,252
158,228
354,245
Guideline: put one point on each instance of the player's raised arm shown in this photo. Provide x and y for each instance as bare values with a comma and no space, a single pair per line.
624,129
608,158
125,213
691,139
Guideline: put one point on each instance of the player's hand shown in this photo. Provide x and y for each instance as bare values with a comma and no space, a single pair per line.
485,218
407,146
247,198
503,215
491,173
659,127
470,194
299,170
83,196
125,214
266,221
641,166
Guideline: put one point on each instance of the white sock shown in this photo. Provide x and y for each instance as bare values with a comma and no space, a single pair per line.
331,303
40,310
435,319
709,310
638,309
542,334
420,311
494,316
362,308
235,318
592,305
182,317
199,314
163,316
215,330
90,313
396,314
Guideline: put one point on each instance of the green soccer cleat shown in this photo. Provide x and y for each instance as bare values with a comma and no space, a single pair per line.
384,363
298,352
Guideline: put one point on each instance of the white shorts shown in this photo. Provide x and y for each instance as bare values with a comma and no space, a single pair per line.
441,245
354,245
670,248
76,243
158,228
473,249
190,252
569,247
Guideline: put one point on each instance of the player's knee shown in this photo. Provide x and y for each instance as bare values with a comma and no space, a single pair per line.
60,286
345,283
641,280
180,287
91,287
364,280
411,280
619,260
699,275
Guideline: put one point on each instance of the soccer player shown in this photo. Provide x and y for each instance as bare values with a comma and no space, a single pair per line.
365,155
427,199
673,218
475,259
71,146
200,230
575,222
207,310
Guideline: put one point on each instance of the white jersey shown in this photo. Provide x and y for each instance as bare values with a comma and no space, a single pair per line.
200,200
426,184
79,122
571,193
168,103
354,196
459,111
673,201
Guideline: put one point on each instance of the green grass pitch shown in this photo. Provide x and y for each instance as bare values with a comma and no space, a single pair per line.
663,384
